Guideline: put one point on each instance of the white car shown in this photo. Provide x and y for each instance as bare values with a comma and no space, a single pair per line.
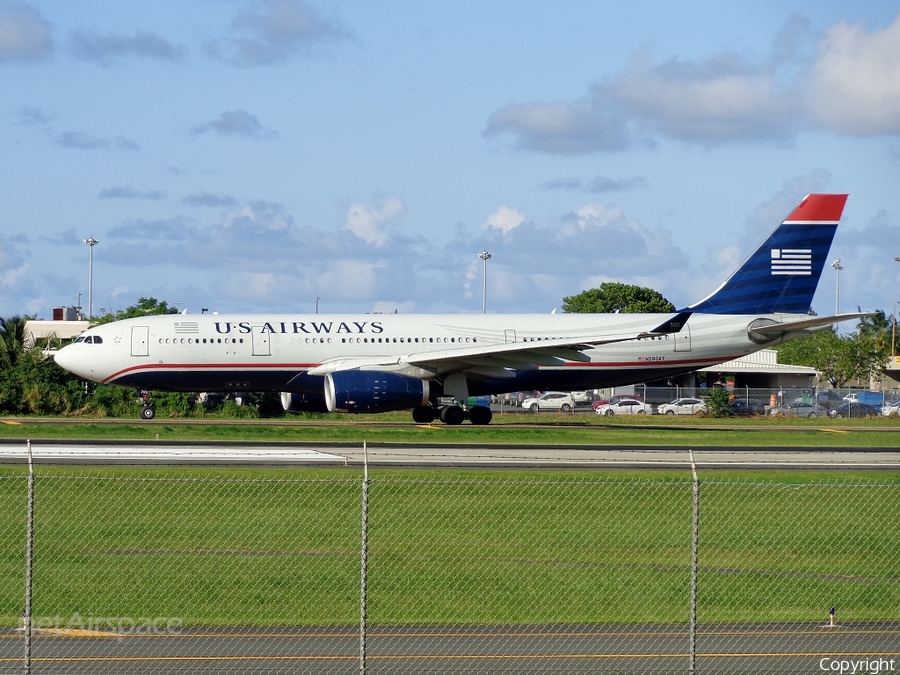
625,406
683,406
552,400
892,410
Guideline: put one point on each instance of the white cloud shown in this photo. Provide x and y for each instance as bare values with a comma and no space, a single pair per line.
24,33
272,31
368,221
258,216
855,87
505,219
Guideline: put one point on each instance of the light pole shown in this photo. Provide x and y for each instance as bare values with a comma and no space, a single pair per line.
485,256
91,242
837,285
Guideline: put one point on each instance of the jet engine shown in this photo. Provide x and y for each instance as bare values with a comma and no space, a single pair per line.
371,391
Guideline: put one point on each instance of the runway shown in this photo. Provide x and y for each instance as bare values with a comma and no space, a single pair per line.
433,456
510,649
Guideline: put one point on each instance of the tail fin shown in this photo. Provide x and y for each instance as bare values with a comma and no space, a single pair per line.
782,274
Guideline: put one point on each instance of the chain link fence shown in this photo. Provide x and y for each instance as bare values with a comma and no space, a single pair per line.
447,570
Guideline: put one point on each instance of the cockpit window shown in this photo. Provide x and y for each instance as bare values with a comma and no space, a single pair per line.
98,340
89,339
80,338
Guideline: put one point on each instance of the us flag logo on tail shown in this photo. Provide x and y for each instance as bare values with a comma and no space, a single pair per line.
792,261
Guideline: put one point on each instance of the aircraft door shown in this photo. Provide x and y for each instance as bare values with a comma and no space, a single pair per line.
262,342
683,339
140,341
509,335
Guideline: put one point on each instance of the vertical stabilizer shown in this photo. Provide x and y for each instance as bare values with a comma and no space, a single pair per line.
782,274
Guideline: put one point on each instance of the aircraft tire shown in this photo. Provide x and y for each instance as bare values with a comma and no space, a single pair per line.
452,415
480,414
424,414
148,412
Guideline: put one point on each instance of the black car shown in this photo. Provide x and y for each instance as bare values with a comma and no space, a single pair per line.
854,409
745,407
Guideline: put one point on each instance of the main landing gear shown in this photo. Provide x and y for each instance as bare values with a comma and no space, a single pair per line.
148,411
452,414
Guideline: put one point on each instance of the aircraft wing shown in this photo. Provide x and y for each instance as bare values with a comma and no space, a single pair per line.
778,329
497,359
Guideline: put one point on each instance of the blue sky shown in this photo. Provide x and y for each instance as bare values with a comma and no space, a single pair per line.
253,155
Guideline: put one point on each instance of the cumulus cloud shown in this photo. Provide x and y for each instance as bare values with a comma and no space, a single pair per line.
504,219
235,123
107,49
855,88
24,33
257,217
847,85
273,31
368,221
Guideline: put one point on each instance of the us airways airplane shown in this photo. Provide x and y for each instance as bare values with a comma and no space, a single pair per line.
373,363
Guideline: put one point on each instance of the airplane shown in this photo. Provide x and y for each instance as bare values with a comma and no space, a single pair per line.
371,363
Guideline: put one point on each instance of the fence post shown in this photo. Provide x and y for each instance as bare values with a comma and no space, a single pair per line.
695,556
29,555
364,561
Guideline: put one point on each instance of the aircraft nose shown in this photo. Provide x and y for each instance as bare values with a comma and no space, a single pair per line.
66,358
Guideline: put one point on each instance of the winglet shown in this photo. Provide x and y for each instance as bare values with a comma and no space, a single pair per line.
673,325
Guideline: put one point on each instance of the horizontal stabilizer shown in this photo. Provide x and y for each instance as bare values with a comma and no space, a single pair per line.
777,329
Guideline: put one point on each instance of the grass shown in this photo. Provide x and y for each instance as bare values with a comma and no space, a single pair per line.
267,547
507,429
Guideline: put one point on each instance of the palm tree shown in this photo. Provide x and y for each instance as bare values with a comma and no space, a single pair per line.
12,339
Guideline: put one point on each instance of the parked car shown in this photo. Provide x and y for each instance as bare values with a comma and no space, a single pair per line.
582,397
683,406
892,410
828,398
552,400
747,407
854,409
798,409
614,399
625,406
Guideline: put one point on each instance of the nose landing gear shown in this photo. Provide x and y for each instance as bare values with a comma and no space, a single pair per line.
148,411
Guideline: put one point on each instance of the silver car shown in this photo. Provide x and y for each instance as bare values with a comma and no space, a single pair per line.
552,400
683,406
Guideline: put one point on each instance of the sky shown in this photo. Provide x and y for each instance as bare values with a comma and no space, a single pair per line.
275,155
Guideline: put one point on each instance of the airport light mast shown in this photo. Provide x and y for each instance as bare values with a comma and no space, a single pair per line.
485,256
91,242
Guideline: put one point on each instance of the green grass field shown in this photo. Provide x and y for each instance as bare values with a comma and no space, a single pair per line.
266,547
507,429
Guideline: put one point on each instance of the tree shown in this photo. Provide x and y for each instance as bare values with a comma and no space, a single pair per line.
616,297
144,307
12,339
839,358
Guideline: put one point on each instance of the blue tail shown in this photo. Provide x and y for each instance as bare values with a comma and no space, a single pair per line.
782,274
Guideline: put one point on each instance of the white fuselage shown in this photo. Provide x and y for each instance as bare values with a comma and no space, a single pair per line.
275,352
